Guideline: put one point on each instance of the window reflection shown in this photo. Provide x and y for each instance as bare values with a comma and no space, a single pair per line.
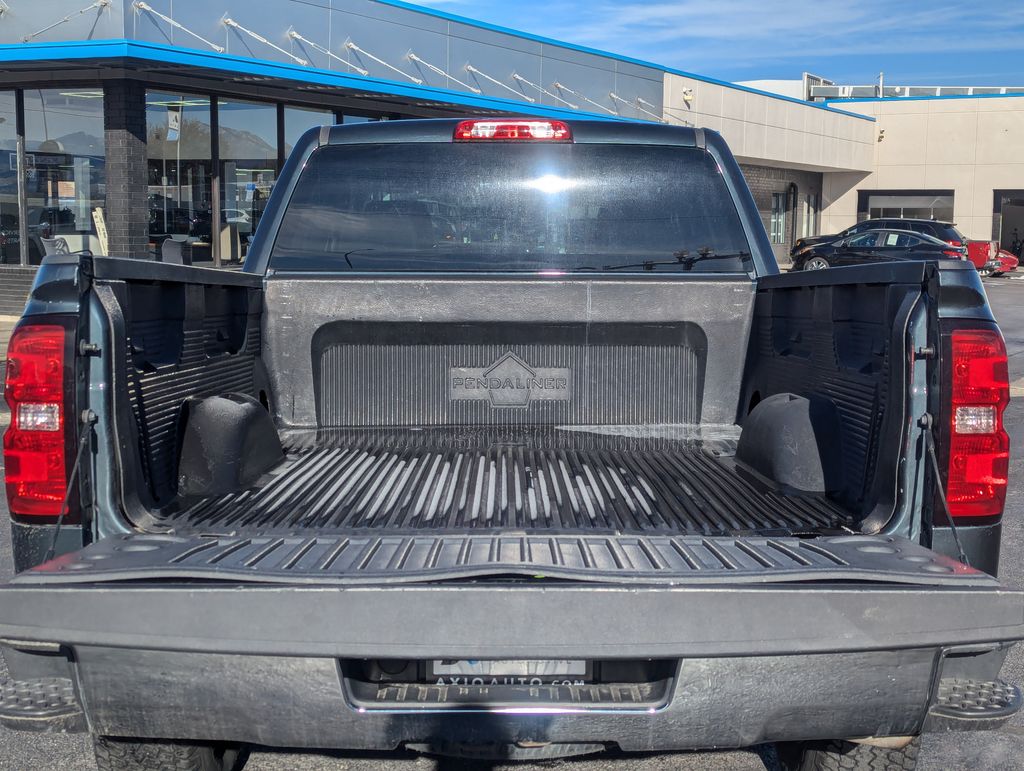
508,206
178,146
65,174
10,249
298,120
65,170
249,166
915,205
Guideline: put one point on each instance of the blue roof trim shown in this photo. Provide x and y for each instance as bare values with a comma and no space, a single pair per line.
101,49
922,98
608,55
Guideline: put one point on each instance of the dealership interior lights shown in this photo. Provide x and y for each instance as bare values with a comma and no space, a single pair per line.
414,58
353,47
317,47
524,81
99,4
235,25
140,6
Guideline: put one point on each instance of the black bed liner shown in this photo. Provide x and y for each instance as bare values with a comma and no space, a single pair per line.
620,480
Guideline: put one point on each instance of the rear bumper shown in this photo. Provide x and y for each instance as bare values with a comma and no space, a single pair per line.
305,702
261,664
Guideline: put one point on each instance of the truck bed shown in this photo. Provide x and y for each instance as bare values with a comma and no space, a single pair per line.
359,379
604,479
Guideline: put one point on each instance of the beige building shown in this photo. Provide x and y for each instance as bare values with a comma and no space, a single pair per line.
786,147
957,157
961,157
766,129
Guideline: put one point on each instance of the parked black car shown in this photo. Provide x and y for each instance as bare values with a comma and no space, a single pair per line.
876,246
944,231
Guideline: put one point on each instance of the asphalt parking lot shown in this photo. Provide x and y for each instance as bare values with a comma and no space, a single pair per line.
1003,749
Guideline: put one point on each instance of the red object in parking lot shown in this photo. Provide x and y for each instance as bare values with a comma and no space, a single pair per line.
1007,262
980,252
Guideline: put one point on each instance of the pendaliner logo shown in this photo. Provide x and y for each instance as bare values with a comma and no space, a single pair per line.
509,382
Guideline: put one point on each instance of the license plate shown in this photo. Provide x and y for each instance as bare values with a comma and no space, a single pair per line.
510,672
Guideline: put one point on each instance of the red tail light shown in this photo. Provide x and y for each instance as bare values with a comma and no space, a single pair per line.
36,442
511,130
955,243
979,448
955,253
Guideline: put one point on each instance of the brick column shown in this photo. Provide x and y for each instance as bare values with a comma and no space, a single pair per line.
127,207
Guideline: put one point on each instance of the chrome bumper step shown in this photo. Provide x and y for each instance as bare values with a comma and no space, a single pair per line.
972,705
44,704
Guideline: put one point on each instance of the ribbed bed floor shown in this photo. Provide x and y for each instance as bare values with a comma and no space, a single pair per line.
534,479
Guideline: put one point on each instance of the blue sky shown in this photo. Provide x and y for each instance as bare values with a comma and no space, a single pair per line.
925,42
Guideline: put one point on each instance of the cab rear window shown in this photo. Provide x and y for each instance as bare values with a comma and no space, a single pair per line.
507,207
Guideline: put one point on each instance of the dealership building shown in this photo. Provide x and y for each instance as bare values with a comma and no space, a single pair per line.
124,124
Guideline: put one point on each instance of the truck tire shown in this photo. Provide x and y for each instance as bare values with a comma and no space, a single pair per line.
128,755
846,756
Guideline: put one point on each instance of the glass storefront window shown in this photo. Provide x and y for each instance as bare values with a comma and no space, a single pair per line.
1008,220
178,148
298,120
810,215
248,168
778,218
65,173
914,205
10,252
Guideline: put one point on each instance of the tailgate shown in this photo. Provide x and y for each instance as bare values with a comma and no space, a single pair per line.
410,595
685,642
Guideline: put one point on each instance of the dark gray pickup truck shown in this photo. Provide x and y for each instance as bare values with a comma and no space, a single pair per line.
509,441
